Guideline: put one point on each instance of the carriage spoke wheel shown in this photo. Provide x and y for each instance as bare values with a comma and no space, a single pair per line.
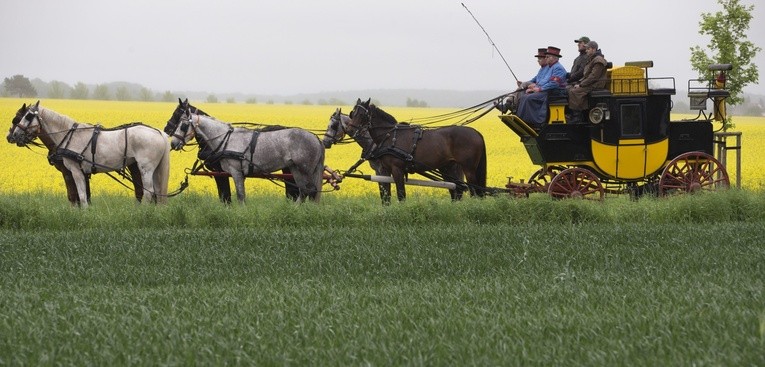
542,177
577,183
693,172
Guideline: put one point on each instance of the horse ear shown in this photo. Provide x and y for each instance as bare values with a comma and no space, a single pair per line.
368,101
179,100
37,105
358,101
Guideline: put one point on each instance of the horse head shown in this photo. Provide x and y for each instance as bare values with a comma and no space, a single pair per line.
16,119
184,128
361,118
335,129
172,123
25,126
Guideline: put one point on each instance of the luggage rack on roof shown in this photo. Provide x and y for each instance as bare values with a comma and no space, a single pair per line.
699,90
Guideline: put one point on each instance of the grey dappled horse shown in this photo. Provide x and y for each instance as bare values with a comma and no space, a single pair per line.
84,149
222,182
242,151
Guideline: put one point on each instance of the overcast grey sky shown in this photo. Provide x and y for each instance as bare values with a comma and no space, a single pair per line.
286,47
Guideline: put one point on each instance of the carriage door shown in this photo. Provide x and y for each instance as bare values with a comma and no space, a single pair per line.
623,153
631,152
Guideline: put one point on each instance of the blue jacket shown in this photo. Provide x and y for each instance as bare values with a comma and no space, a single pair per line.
542,74
556,78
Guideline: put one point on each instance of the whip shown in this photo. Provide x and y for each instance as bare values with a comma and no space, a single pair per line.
491,41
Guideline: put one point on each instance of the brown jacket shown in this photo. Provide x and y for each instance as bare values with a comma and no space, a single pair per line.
594,78
594,73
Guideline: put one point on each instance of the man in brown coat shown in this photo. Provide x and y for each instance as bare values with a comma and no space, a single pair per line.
594,78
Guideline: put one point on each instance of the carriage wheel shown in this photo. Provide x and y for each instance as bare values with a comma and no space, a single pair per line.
542,177
577,183
692,172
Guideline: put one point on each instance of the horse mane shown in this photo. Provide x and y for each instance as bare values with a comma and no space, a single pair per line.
386,116
53,115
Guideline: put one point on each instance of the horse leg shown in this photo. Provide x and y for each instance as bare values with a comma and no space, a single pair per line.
453,173
398,178
81,182
224,189
135,175
147,180
384,187
71,187
238,177
291,189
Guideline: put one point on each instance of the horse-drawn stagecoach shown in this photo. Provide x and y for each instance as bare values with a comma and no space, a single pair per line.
627,143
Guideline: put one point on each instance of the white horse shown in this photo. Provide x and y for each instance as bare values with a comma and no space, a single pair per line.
86,149
242,151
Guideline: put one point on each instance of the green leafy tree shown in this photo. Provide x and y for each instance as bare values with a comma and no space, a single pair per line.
80,91
212,99
18,85
57,90
728,45
101,92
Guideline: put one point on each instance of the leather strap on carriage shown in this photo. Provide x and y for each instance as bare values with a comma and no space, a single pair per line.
253,143
93,142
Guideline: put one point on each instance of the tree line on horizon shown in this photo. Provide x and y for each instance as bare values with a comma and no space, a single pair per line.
22,87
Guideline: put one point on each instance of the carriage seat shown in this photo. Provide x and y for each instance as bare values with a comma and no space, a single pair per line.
559,100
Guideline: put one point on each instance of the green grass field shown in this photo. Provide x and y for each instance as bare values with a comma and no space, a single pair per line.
497,281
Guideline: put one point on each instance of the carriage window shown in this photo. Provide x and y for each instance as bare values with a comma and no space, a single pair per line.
631,117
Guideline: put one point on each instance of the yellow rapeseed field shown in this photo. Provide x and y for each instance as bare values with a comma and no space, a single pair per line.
26,170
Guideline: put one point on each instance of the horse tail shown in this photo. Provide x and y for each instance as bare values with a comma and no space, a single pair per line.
318,174
481,173
162,173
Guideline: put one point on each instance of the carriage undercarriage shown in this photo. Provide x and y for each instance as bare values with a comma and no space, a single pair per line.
688,173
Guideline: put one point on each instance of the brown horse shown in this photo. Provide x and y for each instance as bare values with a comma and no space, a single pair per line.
450,151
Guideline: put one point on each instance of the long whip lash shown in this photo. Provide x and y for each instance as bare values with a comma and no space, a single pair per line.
490,41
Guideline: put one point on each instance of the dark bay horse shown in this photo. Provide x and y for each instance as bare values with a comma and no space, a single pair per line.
222,182
454,151
85,149
57,162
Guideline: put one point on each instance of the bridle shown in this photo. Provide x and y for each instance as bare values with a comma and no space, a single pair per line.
336,124
29,116
365,125
185,124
